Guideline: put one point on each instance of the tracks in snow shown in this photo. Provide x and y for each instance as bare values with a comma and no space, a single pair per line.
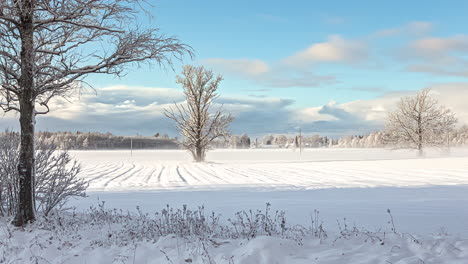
145,174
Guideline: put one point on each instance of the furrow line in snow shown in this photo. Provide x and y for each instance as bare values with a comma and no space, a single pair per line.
208,175
180,175
103,174
133,174
160,173
150,175
191,175
118,176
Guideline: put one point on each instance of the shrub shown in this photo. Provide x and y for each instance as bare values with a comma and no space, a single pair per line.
56,175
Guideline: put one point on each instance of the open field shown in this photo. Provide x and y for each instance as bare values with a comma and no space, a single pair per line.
269,169
425,194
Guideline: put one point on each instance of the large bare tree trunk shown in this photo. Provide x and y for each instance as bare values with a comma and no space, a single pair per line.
199,157
420,144
420,135
26,164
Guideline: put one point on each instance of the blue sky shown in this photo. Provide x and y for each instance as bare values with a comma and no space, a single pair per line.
334,67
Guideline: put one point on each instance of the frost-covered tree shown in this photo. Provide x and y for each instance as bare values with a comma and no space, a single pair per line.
195,119
245,141
48,47
237,142
56,179
234,142
419,121
459,137
280,140
86,143
268,140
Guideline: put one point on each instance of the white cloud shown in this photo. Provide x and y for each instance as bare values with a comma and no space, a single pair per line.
336,49
114,100
437,55
139,94
293,71
419,27
296,70
431,45
453,95
314,114
242,67
272,76
440,69
415,28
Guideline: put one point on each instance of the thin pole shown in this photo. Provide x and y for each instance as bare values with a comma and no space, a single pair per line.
131,147
448,140
300,141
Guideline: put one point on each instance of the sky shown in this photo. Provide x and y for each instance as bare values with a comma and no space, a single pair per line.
329,67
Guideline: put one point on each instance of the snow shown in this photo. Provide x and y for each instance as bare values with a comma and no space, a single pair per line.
427,197
425,194
95,245
111,171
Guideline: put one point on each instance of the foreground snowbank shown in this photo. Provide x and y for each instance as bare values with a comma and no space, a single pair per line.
184,236
40,247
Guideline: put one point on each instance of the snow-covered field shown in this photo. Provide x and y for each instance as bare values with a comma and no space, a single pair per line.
111,171
425,194
428,198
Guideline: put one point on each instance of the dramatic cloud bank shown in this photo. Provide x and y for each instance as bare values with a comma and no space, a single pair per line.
131,110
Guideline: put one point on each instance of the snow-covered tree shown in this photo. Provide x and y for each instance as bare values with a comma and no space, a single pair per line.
268,140
234,141
280,140
355,142
314,141
195,120
419,121
86,143
47,48
459,137
244,141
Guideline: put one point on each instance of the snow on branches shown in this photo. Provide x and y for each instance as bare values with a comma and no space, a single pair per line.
419,122
195,120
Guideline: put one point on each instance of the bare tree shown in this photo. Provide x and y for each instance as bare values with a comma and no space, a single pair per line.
48,47
195,122
419,121
56,175
9,142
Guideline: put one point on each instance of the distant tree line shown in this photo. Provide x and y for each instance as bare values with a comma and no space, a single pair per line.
273,141
378,139
95,140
